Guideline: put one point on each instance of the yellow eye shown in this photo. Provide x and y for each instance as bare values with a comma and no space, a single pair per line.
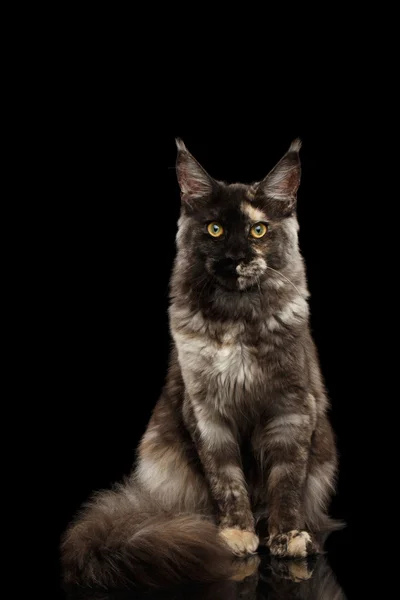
215,229
258,230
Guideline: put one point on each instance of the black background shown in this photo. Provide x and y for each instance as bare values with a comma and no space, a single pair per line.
117,207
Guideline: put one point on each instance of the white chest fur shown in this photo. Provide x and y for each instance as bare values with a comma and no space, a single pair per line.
228,361
214,358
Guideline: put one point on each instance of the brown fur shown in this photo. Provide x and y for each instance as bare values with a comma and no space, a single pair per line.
116,537
240,434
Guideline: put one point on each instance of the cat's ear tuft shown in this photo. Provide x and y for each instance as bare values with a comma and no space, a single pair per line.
194,182
295,146
282,182
180,145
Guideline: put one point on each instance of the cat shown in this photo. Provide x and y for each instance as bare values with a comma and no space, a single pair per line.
239,450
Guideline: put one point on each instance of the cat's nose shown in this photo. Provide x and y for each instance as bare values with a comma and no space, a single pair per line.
235,255
227,266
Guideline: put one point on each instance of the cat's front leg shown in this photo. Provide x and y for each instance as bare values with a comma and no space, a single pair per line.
283,443
219,454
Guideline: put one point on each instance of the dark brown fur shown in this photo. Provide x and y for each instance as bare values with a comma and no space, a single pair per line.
240,434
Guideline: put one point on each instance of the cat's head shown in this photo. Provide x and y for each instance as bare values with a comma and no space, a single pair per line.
234,232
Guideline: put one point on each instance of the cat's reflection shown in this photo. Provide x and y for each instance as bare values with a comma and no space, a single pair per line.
259,578
297,580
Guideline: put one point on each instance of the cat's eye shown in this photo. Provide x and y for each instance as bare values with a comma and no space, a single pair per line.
258,230
215,229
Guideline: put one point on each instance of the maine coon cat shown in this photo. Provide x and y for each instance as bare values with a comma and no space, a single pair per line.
239,450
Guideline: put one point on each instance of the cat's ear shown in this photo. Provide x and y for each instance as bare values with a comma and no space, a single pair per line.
282,182
194,182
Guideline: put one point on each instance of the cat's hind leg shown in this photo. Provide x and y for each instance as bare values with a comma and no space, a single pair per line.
169,470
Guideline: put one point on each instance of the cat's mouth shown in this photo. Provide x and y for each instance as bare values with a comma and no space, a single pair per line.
248,283
241,277
238,284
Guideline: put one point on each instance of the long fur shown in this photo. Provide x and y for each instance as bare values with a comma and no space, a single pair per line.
240,434
122,540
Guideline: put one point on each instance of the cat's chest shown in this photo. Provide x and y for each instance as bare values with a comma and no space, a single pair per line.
223,359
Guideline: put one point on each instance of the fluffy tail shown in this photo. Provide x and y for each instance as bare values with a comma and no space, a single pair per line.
120,542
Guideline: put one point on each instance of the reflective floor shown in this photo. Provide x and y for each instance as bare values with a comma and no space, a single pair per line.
258,578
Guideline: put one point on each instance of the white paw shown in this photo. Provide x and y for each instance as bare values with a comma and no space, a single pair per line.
295,544
245,567
240,542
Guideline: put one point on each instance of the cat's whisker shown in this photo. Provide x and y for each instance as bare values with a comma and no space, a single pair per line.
188,266
287,279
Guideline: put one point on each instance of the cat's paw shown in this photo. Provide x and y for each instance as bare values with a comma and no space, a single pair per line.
293,544
296,570
240,542
246,567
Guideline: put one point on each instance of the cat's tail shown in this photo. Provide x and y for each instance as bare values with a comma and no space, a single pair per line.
322,526
120,541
